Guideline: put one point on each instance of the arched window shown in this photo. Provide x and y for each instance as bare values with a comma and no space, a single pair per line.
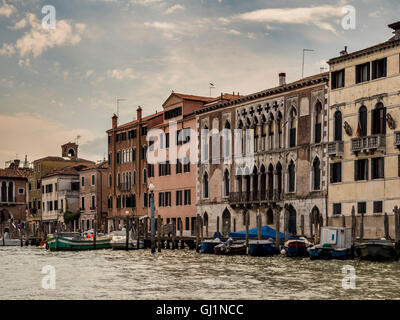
318,122
134,201
270,181
279,129
271,132
338,126
226,183
227,140
110,180
279,179
255,179
3,191
205,148
316,174
362,115
270,217
291,176
292,127
205,222
379,119
263,182
205,185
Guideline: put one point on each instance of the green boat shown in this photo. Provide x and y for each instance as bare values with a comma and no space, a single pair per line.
73,241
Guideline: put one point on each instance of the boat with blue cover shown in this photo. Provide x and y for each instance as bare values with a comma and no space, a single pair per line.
261,248
336,243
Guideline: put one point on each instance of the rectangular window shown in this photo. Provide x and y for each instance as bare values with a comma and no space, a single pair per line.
145,200
336,172
361,207
83,203
187,223
179,166
362,72
179,197
379,68
337,79
93,180
318,130
144,131
186,135
167,140
118,157
173,113
186,165
150,169
93,205
179,137
55,205
378,206
398,166
134,155
62,205
110,159
292,140
168,199
361,169
337,208
161,199
378,168
187,197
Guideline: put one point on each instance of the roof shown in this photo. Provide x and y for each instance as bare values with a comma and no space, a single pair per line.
15,173
189,97
135,122
59,159
64,171
378,47
101,165
311,80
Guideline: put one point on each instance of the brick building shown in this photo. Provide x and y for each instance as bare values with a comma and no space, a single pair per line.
13,195
127,173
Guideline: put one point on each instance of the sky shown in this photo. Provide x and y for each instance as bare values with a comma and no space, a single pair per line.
58,84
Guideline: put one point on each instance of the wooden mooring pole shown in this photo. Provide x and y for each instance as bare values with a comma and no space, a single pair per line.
246,221
362,228
302,224
343,221
277,225
197,233
386,226
286,224
173,235
353,224
259,236
159,231
138,232
396,212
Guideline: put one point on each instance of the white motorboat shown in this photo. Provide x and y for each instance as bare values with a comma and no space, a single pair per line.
7,241
118,241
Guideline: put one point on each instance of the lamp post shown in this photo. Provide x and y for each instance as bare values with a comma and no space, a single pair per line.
127,230
153,229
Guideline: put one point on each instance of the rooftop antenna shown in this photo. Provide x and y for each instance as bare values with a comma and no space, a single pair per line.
211,87
304,51
118,101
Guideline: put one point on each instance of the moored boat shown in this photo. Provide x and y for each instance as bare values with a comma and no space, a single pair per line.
118,241
262,248
297,247
67,241
6,241
207,246
336,243
231,248
377,250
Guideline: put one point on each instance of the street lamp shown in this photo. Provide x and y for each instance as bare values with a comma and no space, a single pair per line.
153,229
127,230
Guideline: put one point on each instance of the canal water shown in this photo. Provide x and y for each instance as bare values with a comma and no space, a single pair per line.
185,274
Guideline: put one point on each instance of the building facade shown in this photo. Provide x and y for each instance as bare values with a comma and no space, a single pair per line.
127,180
93,196
60,195
364,135
13,196
277,160
41,167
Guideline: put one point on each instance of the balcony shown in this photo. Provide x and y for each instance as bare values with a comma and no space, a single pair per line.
125,187
256,196
369,144
397,139
335,149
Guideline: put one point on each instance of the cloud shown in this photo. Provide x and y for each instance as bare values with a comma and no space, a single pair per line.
89,73
309,16
165,26
38,39
7,49
121,74
7,9
174,8
20,24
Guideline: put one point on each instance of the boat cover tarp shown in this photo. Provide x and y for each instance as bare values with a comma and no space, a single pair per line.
266,232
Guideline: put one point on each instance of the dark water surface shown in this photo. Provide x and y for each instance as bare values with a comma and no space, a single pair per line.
184,274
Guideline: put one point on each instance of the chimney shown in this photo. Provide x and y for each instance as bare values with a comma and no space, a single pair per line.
282,79
114,121
396,30
343,52
26,164
139,113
